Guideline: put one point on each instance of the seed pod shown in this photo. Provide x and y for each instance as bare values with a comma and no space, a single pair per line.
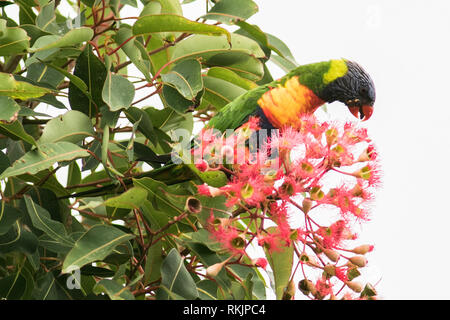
333,255
363,249
355,286
193,205
359,261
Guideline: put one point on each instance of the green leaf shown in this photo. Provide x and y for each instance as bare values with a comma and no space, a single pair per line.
283,63
71,38
231,76
130,199
4,162
44,157
114,290
73,174
19,239
207,47
219,92
214,178
176,279
280,48
281,263
8,216
41,220
207,289
139,58
118,92
19,89
49,288
93,73
46,19
16,131
40,73
157,23
9,109
145,123
168,119
186,78
12,40
12,287
153,265
97,243
177,102
230,11
73,126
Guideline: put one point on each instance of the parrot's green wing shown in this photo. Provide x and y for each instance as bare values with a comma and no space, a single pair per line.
237,112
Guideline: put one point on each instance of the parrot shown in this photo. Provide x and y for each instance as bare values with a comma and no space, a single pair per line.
308,87
300,92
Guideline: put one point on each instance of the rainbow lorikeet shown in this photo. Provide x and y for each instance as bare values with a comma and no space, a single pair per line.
281,103
301,92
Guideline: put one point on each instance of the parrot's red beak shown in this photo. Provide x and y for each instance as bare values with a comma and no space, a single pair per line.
364,112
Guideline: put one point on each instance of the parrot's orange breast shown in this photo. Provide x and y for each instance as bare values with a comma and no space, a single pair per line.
283,105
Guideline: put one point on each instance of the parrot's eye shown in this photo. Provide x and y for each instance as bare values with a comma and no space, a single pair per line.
363,91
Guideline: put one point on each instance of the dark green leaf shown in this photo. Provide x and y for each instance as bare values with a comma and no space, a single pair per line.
230,11
114,290
9,109
41,220
93,72
176,279
186,78
73,126
44,157
8,216
118,92
12,40
19,89
12,287
281,263
95,244
16,131
18,239
174,23
130,199
71,38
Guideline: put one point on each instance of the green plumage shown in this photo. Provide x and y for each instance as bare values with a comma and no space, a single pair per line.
239,110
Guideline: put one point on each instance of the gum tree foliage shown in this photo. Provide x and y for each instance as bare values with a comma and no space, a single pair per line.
142,235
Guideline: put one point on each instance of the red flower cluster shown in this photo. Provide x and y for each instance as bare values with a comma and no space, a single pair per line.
294,175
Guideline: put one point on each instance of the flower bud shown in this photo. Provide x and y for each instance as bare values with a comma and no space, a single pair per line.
330,269
363,249
306,205
289,293
355,286
333,255
213,270
359,261
306,287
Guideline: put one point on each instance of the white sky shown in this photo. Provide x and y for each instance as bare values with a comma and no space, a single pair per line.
404,46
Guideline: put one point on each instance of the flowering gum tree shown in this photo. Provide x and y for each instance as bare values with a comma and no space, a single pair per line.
323,175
